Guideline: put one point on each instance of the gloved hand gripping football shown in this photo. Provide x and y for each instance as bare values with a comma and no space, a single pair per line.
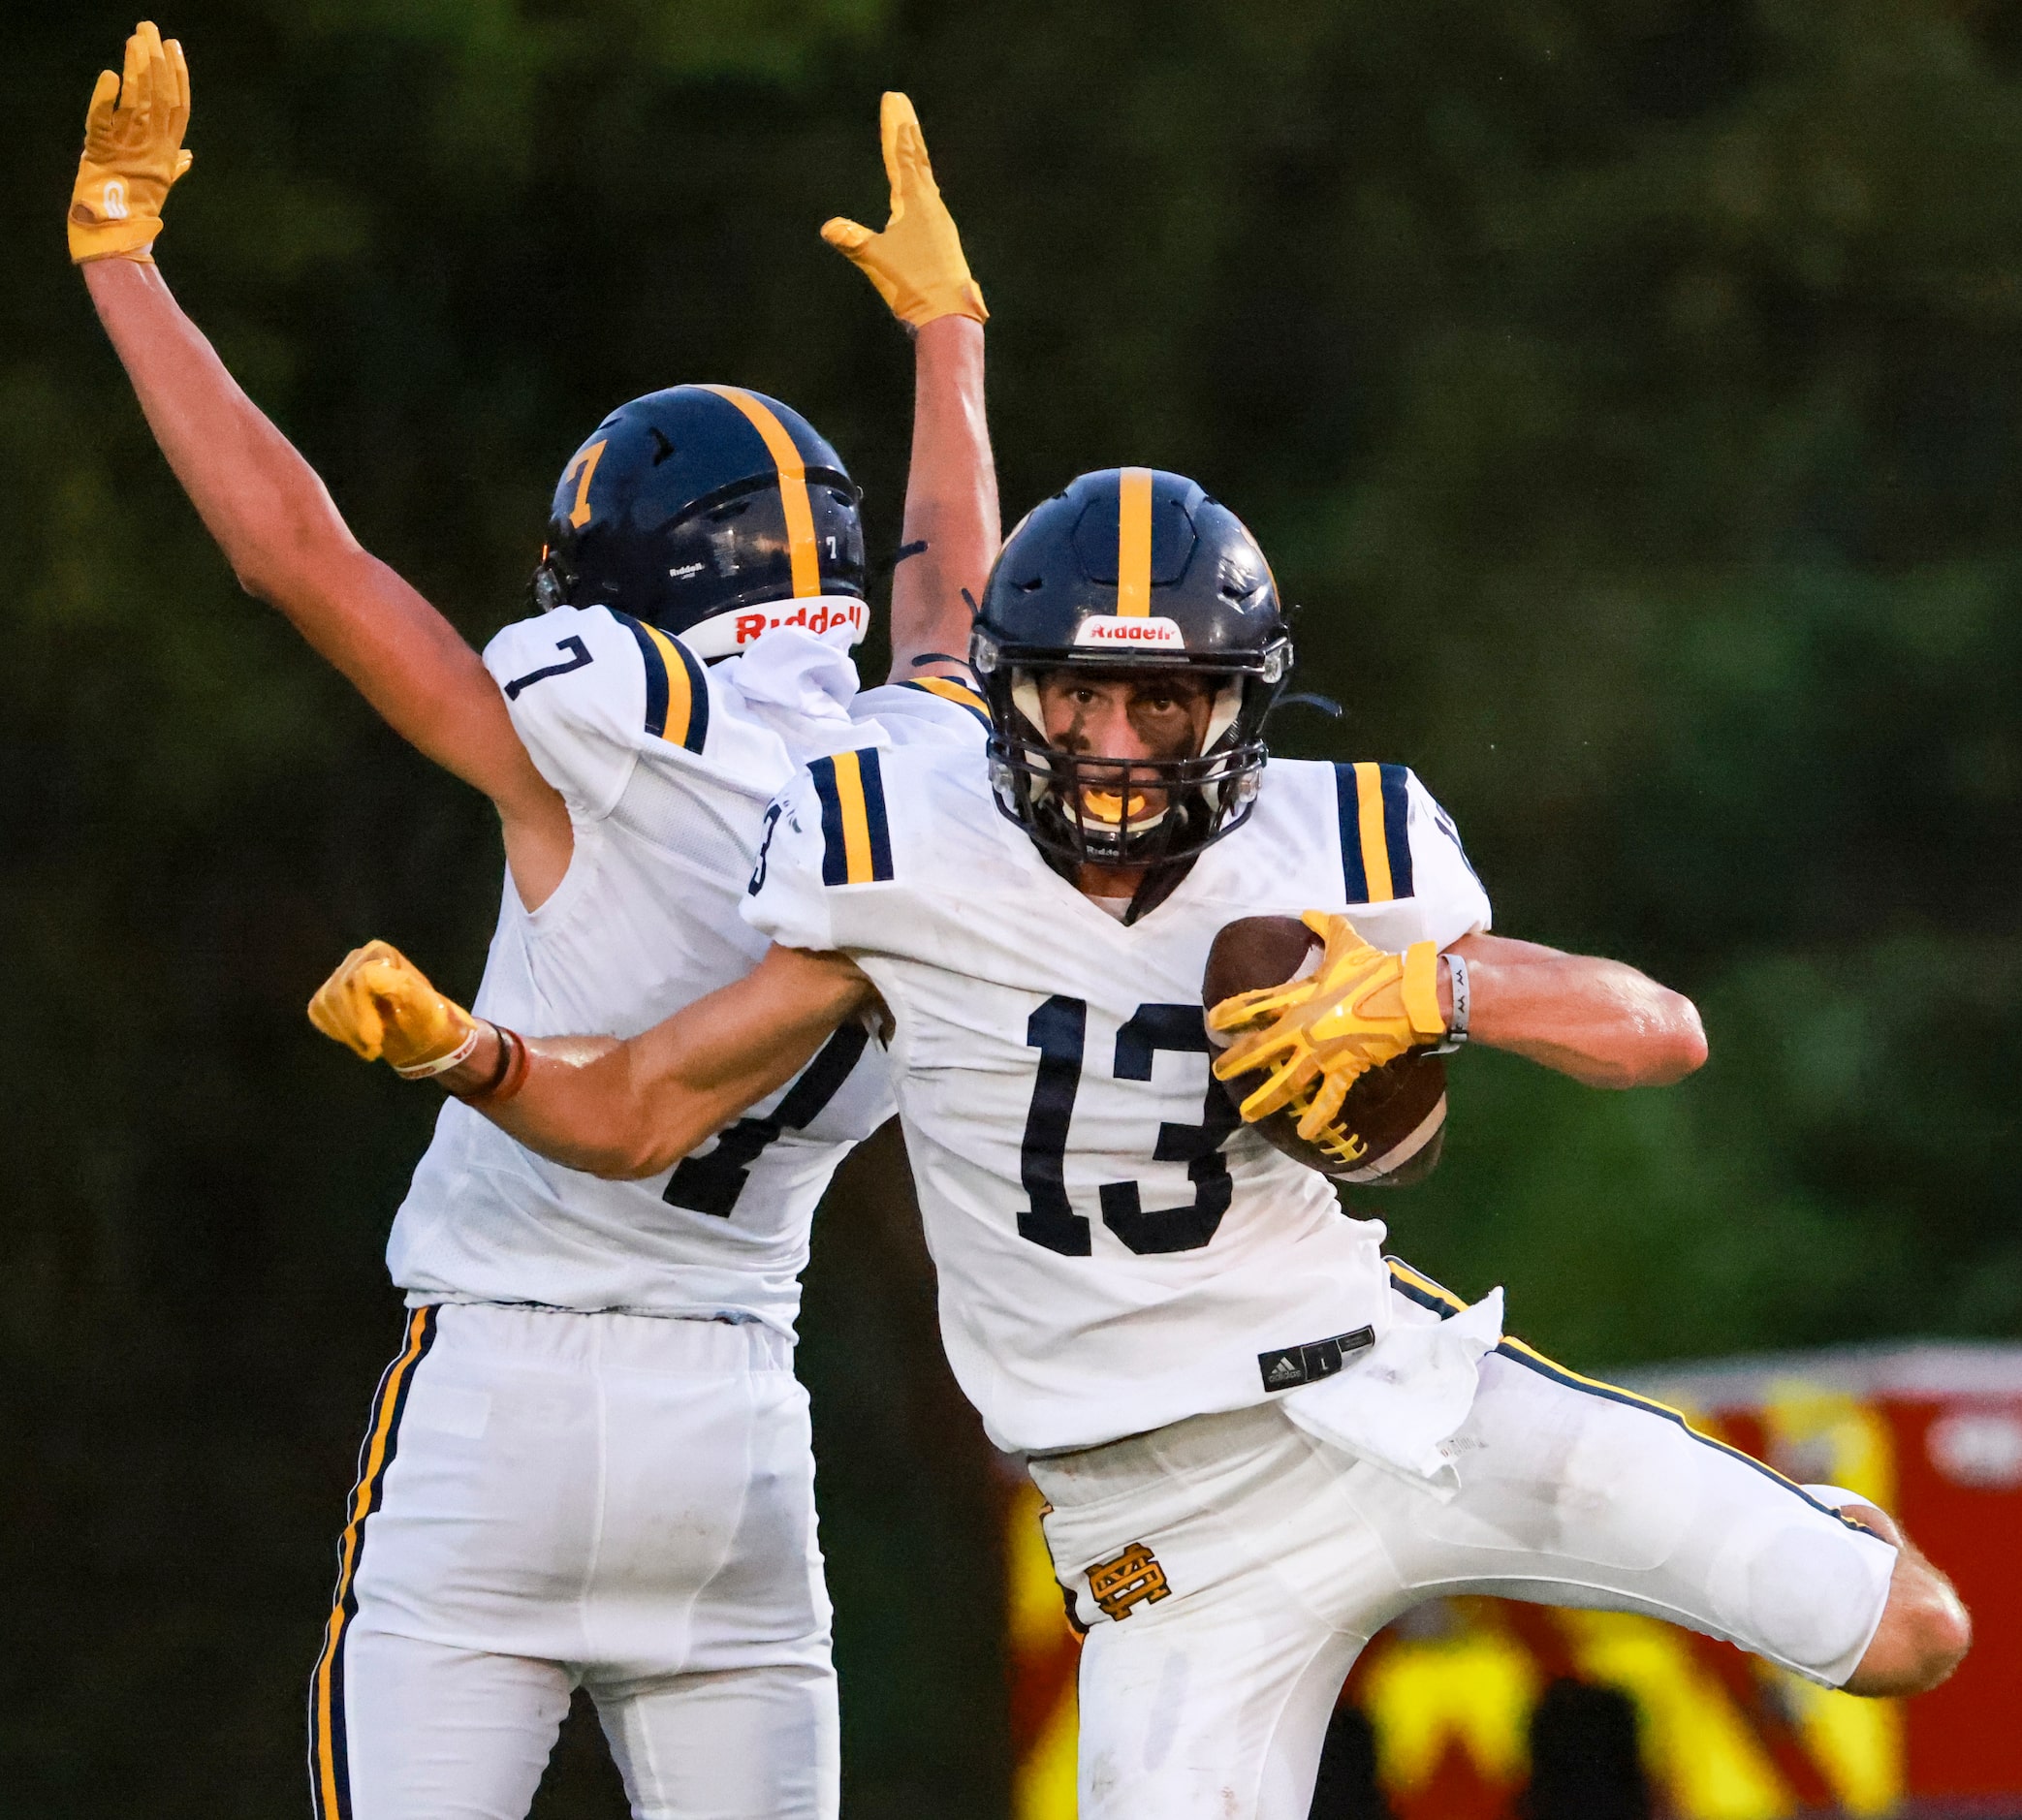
133,152
379,1003
917,263
1360,1008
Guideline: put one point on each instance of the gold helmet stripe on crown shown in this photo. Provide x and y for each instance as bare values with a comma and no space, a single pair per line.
1134,544
793,488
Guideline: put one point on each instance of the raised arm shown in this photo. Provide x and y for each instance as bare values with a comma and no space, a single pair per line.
1600,1021
951,530
263,504
952,527
620,1109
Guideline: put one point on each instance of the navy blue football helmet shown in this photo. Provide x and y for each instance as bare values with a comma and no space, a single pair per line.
1129,569
693,508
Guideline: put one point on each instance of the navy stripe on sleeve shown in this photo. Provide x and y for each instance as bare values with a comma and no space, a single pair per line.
834,854
1354,878
698,698
874,814
655,677
1397,828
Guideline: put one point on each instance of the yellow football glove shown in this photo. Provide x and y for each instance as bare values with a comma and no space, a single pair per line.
1359,1009
916,263
379,1003
133,152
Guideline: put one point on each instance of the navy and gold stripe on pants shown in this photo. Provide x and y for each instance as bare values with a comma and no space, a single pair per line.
329,1768
1374,804
856,841
677,688
1442,1301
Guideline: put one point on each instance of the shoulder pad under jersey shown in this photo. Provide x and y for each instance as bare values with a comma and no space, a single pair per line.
589,689
1398,843
936,708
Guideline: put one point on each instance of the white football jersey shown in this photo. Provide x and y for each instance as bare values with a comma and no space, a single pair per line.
1115,1252
667,768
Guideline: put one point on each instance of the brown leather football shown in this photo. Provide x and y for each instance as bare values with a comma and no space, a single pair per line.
1389,1131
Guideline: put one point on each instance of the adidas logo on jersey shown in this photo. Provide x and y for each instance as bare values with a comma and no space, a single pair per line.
1292,1365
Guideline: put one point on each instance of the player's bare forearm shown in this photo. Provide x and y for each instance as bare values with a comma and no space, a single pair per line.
289,545
951,524
628,1110
1600,1021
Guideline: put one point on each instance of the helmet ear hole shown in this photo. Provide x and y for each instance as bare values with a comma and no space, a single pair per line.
551,583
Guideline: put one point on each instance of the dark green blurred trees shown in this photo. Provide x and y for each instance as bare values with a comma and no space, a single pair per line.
1629,392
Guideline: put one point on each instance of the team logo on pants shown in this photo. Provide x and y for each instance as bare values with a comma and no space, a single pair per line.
1134,1576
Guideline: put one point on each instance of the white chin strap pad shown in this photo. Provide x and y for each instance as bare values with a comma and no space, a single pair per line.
1024,692
1228,704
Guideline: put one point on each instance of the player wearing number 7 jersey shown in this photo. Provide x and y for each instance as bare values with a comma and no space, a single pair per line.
1260,1440
589,1463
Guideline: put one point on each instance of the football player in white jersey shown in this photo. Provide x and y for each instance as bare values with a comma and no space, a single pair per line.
1258,1438
589,1463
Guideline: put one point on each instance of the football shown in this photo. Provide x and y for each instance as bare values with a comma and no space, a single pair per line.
1389,1131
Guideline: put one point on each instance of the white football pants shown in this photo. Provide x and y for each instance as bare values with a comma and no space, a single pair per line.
549,1500
1247,1563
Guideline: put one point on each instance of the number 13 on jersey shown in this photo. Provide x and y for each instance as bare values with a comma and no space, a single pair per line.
1059,1029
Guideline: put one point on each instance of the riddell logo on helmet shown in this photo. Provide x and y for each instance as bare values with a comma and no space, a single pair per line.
831,614
1149,634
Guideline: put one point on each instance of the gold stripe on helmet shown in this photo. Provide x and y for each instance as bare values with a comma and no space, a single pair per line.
1134,544
793,488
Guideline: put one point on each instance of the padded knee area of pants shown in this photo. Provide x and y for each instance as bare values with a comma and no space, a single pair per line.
1798,1586
1563,1472
1631,1488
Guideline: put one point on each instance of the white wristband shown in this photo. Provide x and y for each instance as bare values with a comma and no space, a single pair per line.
424,1071
1456,1025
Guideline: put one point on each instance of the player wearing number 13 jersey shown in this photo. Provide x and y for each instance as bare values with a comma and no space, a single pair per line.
589,1463
1259,1440
1115,1252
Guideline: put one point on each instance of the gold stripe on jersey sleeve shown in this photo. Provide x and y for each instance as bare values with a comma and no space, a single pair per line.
793,488
855,818
1134,544
949,690
1375,851
681,687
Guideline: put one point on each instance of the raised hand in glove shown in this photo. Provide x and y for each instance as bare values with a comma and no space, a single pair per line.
1360,1008
916,263
133,152
379,1003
